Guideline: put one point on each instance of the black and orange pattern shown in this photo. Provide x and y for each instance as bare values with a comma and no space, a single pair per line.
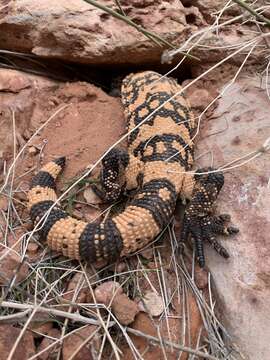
159,156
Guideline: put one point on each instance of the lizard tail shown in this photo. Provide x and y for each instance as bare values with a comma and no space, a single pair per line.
76,239
140,222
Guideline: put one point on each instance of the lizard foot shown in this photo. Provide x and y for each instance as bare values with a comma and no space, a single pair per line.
199,221
206,228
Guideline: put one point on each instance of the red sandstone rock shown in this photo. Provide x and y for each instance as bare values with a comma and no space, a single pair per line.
74,342
11,266
50,353
76,292
170,329
8,336
77,31
111,294
32,107
105,292
124,309
240,125
17,92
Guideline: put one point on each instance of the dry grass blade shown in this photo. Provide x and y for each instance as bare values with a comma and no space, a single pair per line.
253,12
11,167
212,325
86,341
211,339
171,344
52,345
149,34
168,55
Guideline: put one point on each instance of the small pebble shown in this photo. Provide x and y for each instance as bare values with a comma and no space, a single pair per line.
147,253
4,203
32,248
11,266
152,303
91,197
32,150
121,267
124,309
106,291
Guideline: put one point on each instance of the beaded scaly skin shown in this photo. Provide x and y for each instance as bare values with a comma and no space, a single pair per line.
157,164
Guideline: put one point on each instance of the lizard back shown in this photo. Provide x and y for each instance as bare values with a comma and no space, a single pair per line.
166,134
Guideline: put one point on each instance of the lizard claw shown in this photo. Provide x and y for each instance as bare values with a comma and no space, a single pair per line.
204,229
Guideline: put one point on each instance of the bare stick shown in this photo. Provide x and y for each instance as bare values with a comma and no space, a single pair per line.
54,312
17,316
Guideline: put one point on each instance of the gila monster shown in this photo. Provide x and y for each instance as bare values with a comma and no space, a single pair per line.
157,164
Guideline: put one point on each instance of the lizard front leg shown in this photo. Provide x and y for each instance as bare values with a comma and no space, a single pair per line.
120,171
199,220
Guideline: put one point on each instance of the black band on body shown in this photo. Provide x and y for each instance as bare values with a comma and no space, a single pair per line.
163,98
86,243
61,161
43,179
37,212
109,248
170,152
160,210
